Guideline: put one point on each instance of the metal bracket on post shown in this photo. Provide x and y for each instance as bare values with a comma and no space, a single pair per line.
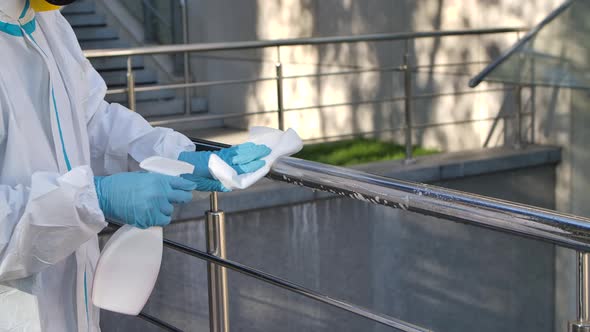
217,275
408,94
130,85
583,294
279,71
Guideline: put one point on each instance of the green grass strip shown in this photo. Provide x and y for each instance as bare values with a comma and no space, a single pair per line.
357,151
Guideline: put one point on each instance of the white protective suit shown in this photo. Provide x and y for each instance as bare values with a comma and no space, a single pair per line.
56,133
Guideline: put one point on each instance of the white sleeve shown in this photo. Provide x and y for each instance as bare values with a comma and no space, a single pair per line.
116,133
45,223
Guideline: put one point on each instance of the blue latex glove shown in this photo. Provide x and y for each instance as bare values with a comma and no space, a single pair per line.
142,199
205,184
244,158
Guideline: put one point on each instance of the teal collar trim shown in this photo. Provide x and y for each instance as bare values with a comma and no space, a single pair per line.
25,10
11,29
15,29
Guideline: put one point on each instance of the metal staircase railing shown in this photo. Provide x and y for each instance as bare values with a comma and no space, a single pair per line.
406,67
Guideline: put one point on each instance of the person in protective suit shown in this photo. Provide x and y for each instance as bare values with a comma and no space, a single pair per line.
66,163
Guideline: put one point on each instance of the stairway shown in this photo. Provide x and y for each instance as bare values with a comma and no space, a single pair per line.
94,32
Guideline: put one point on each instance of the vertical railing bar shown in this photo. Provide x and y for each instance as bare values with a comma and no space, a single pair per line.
518,144
186,57
533,115
217,275
582,324
408,94
533,97
280,105
131,85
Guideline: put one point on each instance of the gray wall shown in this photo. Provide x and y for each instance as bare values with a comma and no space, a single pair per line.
226,20
439,274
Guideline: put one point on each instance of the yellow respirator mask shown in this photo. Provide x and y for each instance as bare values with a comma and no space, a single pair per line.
46,5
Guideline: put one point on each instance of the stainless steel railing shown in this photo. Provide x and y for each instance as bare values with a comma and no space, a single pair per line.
407,68
526,221
561,229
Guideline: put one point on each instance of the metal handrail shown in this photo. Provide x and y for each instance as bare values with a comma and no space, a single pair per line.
407,68
168,120
229,46
563,229
477,79
518,219
158,322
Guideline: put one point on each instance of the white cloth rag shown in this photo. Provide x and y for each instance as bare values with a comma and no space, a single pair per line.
282,143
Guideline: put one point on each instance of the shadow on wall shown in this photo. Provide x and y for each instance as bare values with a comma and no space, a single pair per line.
357,103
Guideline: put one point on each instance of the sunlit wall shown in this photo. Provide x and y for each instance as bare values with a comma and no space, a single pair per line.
250,20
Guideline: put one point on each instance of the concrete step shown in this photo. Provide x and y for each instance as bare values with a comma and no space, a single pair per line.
100,44
119,78
87,20
79,7
115,64
143,96
86,34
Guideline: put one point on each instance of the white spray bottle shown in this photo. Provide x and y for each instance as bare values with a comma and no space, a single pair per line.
129,264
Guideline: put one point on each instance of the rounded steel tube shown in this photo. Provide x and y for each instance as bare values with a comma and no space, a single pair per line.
583,295
281,110
408,94
159,323
209,47
270,279
584,287
130,85
546,225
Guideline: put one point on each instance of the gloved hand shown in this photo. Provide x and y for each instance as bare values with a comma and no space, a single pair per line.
205,184
142,199
244,158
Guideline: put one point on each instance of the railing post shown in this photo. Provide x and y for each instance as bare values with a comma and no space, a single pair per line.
583,295
130,85
279,72
187,65
518,117
533,90
408,95
217,275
